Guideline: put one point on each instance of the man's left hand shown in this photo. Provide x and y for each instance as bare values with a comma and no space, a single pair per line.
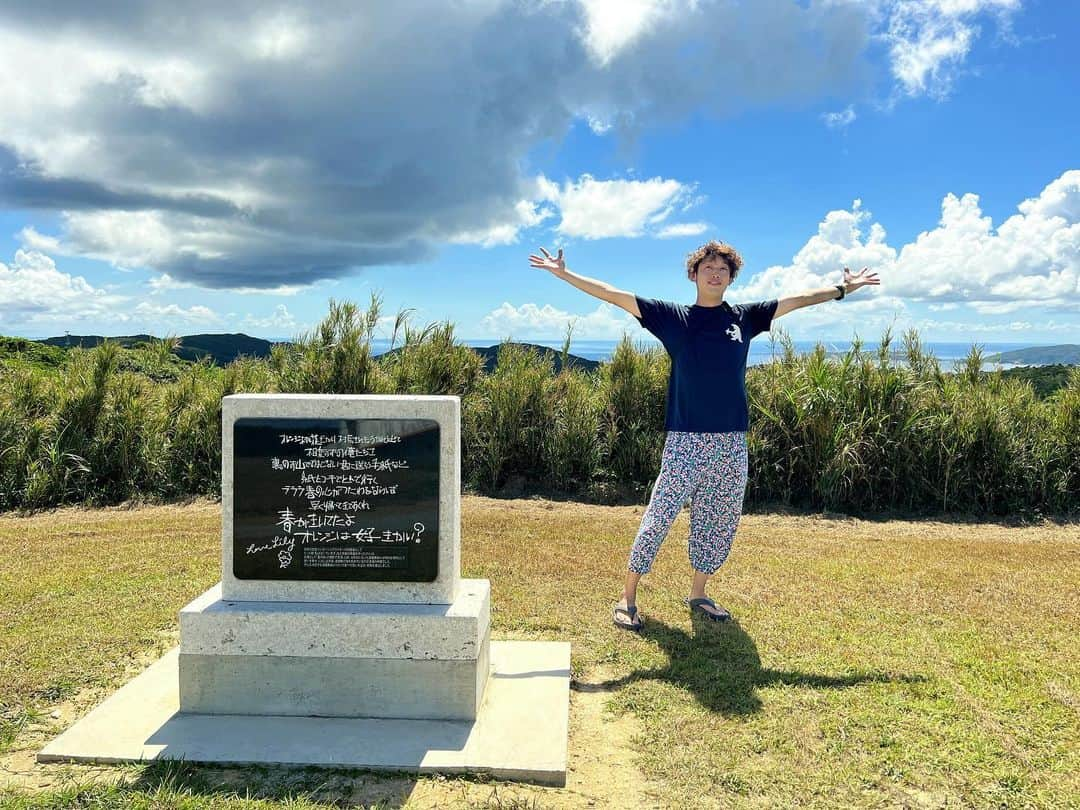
852,281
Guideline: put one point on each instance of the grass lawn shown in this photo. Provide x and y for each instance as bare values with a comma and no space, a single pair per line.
872,663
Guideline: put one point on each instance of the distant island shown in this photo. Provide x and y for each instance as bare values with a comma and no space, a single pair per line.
1067,354
225,348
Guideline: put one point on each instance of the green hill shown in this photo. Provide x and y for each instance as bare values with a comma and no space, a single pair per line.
1067,354
222,349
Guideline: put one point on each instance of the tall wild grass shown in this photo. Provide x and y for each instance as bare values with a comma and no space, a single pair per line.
858,433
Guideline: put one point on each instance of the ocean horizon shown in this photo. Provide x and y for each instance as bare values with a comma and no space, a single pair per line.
948,353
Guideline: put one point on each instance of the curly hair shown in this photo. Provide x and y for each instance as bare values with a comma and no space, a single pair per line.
714,249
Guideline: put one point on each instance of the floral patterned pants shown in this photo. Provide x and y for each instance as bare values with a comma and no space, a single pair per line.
710,470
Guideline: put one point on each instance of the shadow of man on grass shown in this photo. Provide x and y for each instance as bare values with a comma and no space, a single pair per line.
719,664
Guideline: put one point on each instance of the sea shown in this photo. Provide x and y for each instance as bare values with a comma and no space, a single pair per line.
949,355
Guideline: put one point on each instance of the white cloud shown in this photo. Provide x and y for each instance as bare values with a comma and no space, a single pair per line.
164,282
174,314
33,292
55,72
530,321
281,37
1031,263
839,242
35,296
33,240
964,329
284,289
1032,260
682,229
930,39
126,239
599,126
208,149
598,209
526,214
839,120
613,25
280,320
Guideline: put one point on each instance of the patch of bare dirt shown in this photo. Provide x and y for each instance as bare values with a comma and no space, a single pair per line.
602,769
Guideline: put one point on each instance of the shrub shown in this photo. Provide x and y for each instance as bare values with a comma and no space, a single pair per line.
335,357
574,445
859,432
431,363
634,390
505,420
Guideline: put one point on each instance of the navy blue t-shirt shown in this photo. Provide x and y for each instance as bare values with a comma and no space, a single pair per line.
708,346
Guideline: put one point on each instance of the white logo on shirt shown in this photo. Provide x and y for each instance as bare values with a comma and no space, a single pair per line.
734,332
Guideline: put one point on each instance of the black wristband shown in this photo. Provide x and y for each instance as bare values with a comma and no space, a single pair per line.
843,292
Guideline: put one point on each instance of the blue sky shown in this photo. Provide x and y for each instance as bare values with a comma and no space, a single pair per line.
232,171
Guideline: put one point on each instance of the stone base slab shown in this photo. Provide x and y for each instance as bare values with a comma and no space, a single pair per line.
520,732
211,625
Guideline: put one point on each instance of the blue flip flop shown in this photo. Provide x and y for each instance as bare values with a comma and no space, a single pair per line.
635,624
697,606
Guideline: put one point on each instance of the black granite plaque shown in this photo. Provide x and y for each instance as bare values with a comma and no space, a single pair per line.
336,499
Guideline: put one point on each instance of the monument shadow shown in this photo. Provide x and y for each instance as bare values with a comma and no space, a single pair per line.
344,787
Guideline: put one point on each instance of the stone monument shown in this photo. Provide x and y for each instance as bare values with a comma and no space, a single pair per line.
341,592
341,632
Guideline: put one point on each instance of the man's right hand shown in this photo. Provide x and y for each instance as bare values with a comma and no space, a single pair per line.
554,264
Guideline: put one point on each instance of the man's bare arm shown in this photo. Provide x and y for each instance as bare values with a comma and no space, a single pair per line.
600,289
852,282
603,291
806,299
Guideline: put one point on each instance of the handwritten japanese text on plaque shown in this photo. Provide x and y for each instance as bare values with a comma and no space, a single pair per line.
336,499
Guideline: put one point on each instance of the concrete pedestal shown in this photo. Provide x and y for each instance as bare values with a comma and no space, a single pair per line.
336,659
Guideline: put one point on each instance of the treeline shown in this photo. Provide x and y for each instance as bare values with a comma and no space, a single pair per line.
1044,379
859,434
